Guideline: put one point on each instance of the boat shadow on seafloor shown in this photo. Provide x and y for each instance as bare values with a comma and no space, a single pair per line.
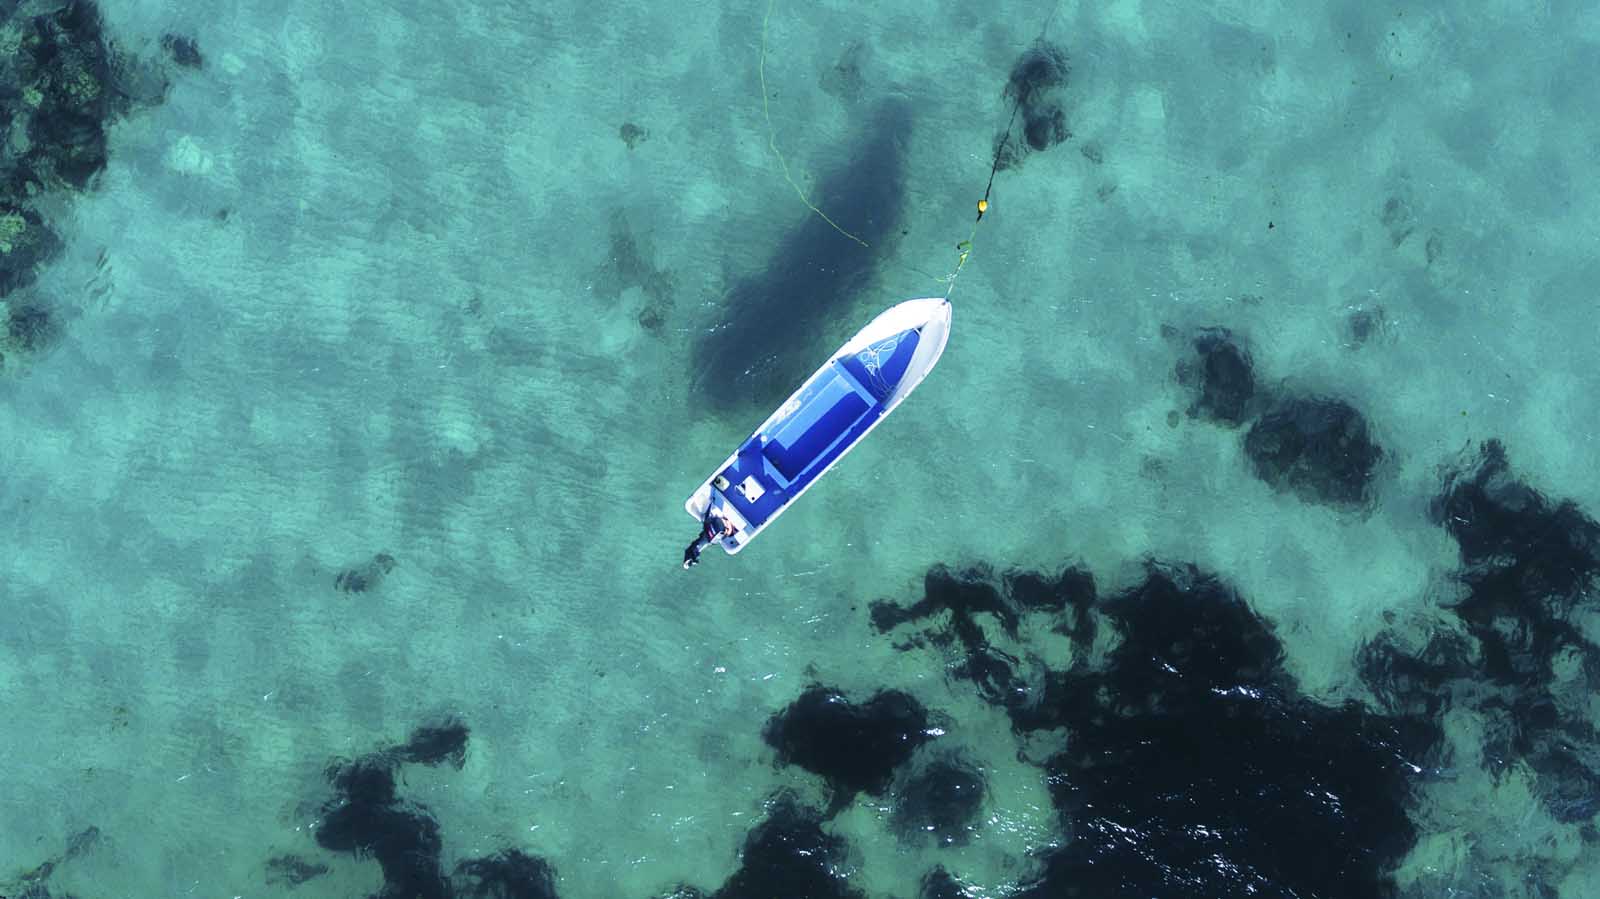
775,323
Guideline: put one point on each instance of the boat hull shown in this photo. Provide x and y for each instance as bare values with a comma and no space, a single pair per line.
827,416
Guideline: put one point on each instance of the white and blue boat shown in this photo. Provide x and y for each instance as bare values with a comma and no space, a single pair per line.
823,420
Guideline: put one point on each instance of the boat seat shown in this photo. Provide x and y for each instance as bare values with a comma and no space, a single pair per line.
814,427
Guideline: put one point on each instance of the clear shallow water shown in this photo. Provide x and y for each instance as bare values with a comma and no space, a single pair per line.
417,330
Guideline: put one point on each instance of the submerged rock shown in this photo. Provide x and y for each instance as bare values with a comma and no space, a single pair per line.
62,71
1365,324
62,87
34,883
1527,565
1525,558
970,597
508,874
789,855
1071,588
26,245
436,744
183,50
854,747
366,576
1035,79
1046,127
1319,448
1193,766
292,870
29,328
965,595
1529,570
941,884
1418,683
1036,74
369,819
1223,376
942,800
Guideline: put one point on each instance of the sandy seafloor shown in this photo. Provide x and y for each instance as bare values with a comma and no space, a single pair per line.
412,334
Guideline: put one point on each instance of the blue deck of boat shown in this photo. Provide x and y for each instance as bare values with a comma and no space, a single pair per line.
835,410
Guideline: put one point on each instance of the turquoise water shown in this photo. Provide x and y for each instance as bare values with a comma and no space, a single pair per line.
372,280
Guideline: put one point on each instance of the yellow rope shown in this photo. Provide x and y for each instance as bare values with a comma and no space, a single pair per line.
772,134
964,247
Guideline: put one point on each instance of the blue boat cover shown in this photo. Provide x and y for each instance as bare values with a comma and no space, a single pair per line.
821,419
881,366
